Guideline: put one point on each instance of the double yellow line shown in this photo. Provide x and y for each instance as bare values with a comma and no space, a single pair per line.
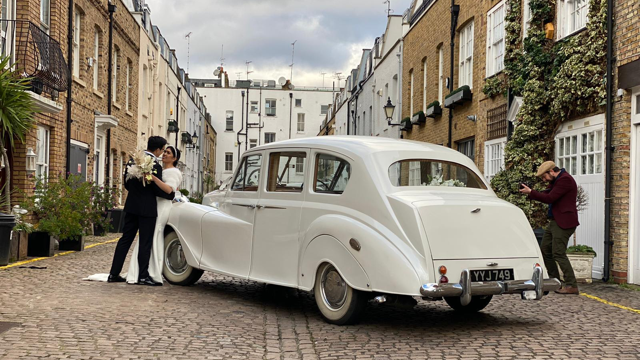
20,263
610,303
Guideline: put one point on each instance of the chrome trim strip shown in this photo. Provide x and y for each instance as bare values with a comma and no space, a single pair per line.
245,205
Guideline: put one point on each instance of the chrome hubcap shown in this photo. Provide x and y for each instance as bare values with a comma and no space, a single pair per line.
175,259
333,288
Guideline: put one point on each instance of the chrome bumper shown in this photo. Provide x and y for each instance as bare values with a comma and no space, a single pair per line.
466,289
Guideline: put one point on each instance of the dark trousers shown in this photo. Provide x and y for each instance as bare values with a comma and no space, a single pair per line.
133,224
554,250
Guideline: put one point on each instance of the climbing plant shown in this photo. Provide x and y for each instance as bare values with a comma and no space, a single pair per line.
557,81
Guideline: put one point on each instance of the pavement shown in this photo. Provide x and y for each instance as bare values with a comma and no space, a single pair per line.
48,312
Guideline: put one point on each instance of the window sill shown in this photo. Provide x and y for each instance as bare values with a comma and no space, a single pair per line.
79,82
494,75
571,34
129,113
117,106
98,94
228,131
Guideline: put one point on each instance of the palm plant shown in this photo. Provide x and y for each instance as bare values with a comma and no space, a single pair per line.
16,114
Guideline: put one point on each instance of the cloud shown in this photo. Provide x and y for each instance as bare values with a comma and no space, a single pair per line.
329,35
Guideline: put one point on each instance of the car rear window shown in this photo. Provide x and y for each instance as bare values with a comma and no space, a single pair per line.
332,174
422,172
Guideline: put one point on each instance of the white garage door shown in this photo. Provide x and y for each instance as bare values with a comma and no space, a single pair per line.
579,150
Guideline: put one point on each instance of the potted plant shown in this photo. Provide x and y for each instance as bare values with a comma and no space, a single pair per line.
406,124
458,97
581,258
418,118
433,110
173,126
20,235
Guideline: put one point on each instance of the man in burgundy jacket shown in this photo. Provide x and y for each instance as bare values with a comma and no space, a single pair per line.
563,220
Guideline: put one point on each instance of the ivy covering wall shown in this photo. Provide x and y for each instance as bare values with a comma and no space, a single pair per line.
558,81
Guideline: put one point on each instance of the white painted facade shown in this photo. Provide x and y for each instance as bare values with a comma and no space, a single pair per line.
634,189
284,124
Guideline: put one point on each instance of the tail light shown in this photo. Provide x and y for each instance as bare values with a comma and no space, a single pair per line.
444,279
442,270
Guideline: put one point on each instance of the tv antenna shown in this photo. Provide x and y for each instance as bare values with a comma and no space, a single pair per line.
222,56
248,72
188,37
293,51
389,9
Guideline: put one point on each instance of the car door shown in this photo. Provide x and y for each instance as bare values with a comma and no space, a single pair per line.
228,233
277,222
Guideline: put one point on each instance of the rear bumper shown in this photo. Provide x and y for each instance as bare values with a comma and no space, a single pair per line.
466,289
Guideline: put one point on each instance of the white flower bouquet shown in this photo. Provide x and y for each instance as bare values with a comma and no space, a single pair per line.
141,167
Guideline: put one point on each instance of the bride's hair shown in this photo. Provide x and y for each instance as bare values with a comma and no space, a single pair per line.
176,154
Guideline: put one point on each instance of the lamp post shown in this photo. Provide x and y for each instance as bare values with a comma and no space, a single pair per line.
194,140
389,108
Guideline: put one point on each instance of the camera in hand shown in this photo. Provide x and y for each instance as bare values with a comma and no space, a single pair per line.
522,185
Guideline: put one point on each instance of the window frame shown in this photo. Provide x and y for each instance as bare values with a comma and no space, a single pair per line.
285,153
77,28
268,109
255,107
42,167
494,67
45,15
324,109
466,37
335,179
465,142
228,120
269,133
127,93
298,103
227,156
243,167
298,123
114,87
490,160
566,21
526,18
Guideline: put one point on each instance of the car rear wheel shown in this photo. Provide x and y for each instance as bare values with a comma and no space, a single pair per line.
175,269
338,302
477,303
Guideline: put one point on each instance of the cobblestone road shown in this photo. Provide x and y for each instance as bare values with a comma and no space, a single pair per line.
52,313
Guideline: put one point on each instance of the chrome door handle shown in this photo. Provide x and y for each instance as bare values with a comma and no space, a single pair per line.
245,205
269,207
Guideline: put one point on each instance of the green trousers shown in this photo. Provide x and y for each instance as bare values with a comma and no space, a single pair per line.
554,250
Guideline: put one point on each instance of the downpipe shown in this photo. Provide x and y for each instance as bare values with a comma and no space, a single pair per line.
609,148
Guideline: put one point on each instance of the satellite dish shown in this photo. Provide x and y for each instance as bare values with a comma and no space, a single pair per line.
282,80
216,72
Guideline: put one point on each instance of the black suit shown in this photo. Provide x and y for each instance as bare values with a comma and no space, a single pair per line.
141,211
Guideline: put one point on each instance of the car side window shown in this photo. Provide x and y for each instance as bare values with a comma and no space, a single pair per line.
331,174
286,171
248,176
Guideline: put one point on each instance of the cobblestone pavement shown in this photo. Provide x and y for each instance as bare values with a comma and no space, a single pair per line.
52,313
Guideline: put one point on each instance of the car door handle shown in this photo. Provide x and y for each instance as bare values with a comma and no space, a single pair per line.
269,207
245,205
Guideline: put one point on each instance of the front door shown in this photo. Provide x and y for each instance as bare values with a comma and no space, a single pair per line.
634,188
580,151
277,225
78,160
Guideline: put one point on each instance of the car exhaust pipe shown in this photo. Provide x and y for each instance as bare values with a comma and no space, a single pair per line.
380,299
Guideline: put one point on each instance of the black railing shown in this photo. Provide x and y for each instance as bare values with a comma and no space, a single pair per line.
35,54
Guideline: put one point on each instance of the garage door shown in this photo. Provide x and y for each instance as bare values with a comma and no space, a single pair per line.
579,150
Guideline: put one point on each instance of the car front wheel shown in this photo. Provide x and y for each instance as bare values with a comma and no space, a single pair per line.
338,302
175,269
477,303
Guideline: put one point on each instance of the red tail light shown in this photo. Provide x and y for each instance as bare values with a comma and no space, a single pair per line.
444,280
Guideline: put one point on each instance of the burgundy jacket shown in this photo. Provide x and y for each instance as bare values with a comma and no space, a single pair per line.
562,194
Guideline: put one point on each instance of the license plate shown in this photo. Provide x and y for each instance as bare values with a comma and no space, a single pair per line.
491,275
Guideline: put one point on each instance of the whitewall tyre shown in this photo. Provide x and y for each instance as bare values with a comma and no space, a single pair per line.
338,302
175,268
477,303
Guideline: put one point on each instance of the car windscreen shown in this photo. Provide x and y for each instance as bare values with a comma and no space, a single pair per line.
427,172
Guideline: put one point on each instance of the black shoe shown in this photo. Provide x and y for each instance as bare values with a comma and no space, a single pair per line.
114,279
149,282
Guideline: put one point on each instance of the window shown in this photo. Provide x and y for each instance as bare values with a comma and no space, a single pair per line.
114,86
145,82
96,56
270,107
229,120
45,14
440,74
495,39
42,152
331,175
76,44
6,13
283,172
253,143
493,157
269,138
428,172
248,176
572,16
324,109
299,165
424,85
128,87
298,102
300,122
411,92
567,154
467,147
228,161
526,19
254,107
466,56
591,153
98,157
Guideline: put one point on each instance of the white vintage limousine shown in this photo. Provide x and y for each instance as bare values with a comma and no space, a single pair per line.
355,219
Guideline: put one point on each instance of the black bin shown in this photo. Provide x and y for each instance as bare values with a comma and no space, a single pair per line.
7,222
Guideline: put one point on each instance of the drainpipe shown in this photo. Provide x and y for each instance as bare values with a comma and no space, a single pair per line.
177,114
241,125
608,147
112,9
69,81
455,10
246,137
399,89
348,112
290,112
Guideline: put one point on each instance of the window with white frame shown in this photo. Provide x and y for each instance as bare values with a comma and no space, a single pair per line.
493,157
324,109
76,43
229,121
591,153
228,161
300,165
254,107
300,122
440,74
269,137
253,143
42,152
495,38
98,163
411,93
45,14
567,153
572,16
424,85
114,88
270,107
465,75
298,102
128,87
414,173
96,56
526,19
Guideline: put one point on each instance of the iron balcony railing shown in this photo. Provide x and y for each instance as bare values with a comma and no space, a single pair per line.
35,54
497,123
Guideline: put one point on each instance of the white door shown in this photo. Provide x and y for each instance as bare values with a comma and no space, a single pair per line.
581,153
634,187
276,229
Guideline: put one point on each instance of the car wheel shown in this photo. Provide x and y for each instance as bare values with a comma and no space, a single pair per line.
477,303
338,302
175,268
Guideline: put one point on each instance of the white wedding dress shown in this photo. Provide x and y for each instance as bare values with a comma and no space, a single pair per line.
173,178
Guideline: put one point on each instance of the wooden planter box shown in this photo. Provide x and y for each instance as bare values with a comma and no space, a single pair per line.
19,244
433,111
582,264
73,244
40,244
418,118
458,98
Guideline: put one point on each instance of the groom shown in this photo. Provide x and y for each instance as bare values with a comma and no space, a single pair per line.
140,215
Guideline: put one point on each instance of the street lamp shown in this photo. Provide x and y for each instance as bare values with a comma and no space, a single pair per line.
193,141
388,110
31,161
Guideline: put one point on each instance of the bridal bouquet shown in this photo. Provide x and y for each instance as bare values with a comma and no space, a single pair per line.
141,167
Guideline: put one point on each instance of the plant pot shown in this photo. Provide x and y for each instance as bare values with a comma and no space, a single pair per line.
418,118
72,244
582,264
406,125
458,97
40,244
433,111
19,243
99,230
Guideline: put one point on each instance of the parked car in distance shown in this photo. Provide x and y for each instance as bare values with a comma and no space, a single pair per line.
357,219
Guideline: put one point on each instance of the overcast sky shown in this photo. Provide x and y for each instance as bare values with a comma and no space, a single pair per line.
330,35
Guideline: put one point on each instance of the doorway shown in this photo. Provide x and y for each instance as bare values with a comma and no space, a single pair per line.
634,190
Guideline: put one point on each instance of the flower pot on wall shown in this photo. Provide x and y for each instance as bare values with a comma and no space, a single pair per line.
406,124
582,264
418,118
72,244
458,97
40,244
434,110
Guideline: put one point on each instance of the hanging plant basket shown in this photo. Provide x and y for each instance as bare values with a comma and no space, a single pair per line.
186,137
458,97
406,124
173,126
418,118
433,110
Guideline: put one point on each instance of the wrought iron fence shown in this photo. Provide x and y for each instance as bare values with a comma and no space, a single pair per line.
35,54
497,122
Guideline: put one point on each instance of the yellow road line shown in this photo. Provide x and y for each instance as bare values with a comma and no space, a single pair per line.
610,303
20,263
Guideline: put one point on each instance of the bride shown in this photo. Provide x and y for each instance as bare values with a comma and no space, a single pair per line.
172,178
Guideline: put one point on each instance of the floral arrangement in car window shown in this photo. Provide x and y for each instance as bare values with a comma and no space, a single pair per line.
437,180
141,167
